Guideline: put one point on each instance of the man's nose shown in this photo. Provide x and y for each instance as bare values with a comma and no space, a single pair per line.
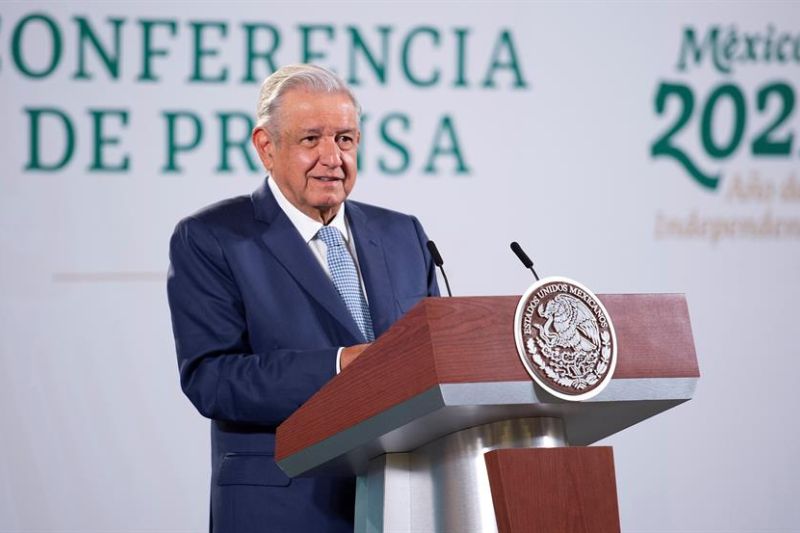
329,153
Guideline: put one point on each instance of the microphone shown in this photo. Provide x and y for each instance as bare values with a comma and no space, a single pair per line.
517,249
437,259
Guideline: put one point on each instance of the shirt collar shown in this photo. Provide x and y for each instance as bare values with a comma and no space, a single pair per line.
305,225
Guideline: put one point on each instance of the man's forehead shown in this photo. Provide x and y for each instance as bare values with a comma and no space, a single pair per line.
304,100
326,112
298,100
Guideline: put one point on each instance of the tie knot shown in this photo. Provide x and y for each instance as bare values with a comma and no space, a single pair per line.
331,236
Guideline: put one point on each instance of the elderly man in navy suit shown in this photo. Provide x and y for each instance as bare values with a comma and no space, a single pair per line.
273,293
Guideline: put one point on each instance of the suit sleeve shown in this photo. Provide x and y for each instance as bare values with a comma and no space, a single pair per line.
219,373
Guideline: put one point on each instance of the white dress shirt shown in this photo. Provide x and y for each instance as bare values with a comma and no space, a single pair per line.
308,228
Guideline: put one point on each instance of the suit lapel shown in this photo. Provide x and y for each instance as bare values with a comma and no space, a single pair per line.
372,263
288,247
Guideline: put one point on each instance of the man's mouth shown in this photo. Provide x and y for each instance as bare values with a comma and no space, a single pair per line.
327,179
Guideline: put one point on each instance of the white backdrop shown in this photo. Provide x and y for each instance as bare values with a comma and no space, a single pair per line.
96,435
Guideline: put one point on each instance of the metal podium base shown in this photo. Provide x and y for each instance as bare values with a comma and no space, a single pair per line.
442,486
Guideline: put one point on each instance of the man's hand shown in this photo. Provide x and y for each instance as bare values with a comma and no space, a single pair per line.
350,354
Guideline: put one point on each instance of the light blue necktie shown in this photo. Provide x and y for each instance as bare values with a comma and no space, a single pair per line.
345,278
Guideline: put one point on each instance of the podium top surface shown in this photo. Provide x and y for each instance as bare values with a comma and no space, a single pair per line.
452,362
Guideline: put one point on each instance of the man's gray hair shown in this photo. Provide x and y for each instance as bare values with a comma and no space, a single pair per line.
299,76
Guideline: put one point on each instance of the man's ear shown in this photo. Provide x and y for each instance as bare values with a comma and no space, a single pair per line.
265,147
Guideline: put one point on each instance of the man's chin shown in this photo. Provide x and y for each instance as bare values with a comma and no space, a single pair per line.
329,207
330,201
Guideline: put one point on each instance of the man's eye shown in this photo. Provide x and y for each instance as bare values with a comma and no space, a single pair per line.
345,139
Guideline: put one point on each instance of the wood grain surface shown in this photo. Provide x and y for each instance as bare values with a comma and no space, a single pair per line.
554,490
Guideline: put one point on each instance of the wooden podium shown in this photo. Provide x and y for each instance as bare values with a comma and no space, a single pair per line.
447,432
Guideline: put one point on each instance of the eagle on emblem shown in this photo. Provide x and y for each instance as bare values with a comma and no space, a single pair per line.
569,324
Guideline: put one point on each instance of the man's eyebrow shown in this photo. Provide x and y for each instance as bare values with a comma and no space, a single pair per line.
318,131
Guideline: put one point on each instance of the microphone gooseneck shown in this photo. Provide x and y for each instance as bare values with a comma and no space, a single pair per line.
438,261
518,251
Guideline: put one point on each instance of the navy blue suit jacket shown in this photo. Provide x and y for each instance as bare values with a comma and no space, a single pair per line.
257,325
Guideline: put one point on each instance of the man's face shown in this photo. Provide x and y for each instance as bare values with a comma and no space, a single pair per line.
313,159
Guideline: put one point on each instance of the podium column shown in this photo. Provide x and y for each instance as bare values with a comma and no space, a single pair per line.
443,486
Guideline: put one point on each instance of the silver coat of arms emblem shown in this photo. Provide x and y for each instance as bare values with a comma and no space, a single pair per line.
565,338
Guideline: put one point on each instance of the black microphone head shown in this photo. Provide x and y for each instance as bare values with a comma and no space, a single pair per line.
435,254
517,249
